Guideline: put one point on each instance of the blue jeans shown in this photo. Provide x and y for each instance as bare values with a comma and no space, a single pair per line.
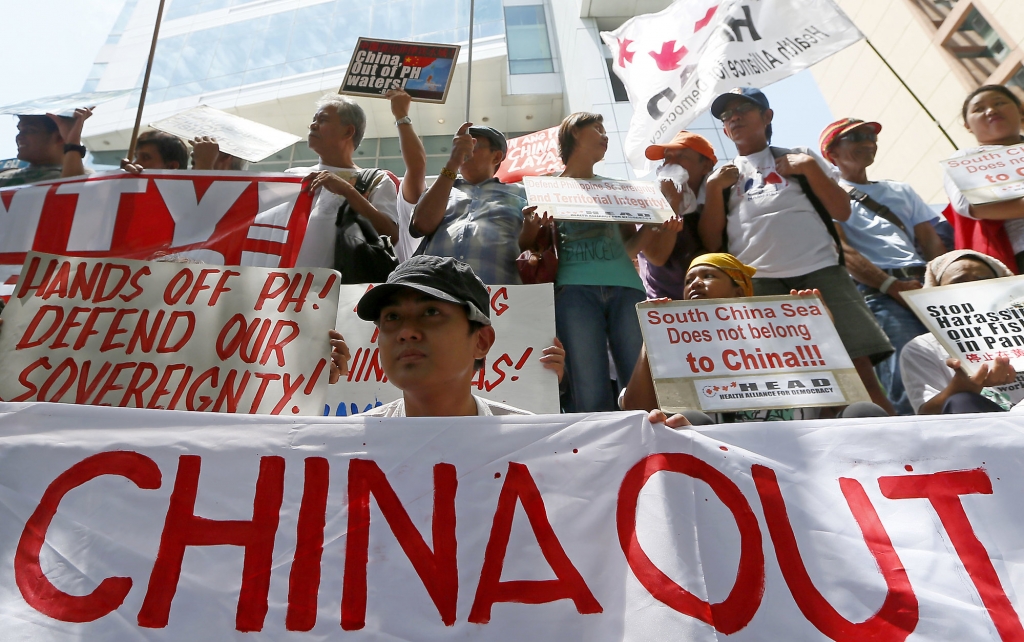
900,325
589,319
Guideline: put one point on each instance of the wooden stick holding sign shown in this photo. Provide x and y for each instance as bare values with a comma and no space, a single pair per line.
423,70
747,354
130,155
169,335
598,199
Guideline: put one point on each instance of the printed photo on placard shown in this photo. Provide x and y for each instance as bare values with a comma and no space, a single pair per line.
424,70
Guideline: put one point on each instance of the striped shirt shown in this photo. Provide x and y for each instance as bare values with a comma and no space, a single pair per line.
481,227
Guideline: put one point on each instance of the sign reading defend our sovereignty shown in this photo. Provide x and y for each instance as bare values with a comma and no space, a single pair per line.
975,322
989,176
424,70
598,199
747,354
152,526
115,332
524,324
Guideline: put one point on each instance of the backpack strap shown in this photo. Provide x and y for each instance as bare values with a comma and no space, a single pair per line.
826,218
876,207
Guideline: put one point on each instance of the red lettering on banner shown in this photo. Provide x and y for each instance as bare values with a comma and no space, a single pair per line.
33,267
172,320
59,283
69,323
437,569
204,400
183,528
265,379
898,616
110,385
277,344
126,274
113,330
136,387
269,291
26,339
736,611
37,590
161,390
83,285
134,282
304,578
140,337
289,390
68,365
943,491
90,323
172,295
200,284
85,387
520,486
23,378
221,288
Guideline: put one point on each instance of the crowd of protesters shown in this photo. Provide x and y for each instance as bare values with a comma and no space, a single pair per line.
772,221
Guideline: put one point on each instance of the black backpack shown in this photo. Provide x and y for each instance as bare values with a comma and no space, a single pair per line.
360,254
826,218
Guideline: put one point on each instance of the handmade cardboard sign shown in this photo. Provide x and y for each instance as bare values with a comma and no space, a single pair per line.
424,70
524,324
975,322
235,135
599,199
747,354
535,154
989,176
185,336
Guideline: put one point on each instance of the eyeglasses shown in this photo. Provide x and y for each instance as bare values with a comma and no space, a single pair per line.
738,110
862,136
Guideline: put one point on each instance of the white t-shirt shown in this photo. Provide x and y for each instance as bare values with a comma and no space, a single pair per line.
771,224
925,374
318,244
406,243
1014,227
484,408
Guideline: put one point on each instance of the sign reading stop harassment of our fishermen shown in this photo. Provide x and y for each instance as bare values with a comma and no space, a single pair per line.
535,154
598,199
114,332
996,174
675,62
145,525
524,324
975,322
224,219
424,70
747,354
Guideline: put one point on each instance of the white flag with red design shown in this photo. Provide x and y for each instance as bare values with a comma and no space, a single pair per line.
675,62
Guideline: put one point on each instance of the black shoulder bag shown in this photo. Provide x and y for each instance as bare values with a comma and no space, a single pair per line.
360,254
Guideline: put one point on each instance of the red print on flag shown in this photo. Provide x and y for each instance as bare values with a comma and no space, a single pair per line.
668,58
703,22
625,55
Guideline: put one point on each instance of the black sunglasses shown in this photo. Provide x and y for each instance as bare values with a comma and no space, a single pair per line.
860,136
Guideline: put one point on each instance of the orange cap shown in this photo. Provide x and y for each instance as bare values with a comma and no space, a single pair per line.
830,134
684,139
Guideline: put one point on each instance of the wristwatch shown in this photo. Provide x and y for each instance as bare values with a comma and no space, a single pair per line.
404,120
75,148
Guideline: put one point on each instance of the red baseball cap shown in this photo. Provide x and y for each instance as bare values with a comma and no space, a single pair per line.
839,128
682,140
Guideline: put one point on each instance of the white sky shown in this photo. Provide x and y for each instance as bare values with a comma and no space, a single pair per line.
76,29
50,45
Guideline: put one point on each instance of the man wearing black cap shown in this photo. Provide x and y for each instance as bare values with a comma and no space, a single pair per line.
433,316
475,218
777,207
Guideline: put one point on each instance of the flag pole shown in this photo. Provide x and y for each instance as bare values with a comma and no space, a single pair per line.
145,86
469,66
907,87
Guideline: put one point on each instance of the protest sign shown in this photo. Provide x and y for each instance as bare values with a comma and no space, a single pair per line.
675,62
63,105
168,335
598,199
747,354
524,324
535,154
154,525
989,176
223,219
975,322
423,69
235,135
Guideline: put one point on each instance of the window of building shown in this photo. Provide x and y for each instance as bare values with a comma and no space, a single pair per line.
618,89
965,30
526,34
127,9
95,73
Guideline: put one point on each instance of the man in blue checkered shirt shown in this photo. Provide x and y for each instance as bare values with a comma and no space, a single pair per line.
476,218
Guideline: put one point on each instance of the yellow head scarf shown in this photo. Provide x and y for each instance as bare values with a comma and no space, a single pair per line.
729,264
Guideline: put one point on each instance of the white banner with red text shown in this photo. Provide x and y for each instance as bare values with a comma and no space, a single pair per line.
524,324
675,62
229,218
126,524
145,334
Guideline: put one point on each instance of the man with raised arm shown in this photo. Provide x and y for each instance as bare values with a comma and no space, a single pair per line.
52,147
